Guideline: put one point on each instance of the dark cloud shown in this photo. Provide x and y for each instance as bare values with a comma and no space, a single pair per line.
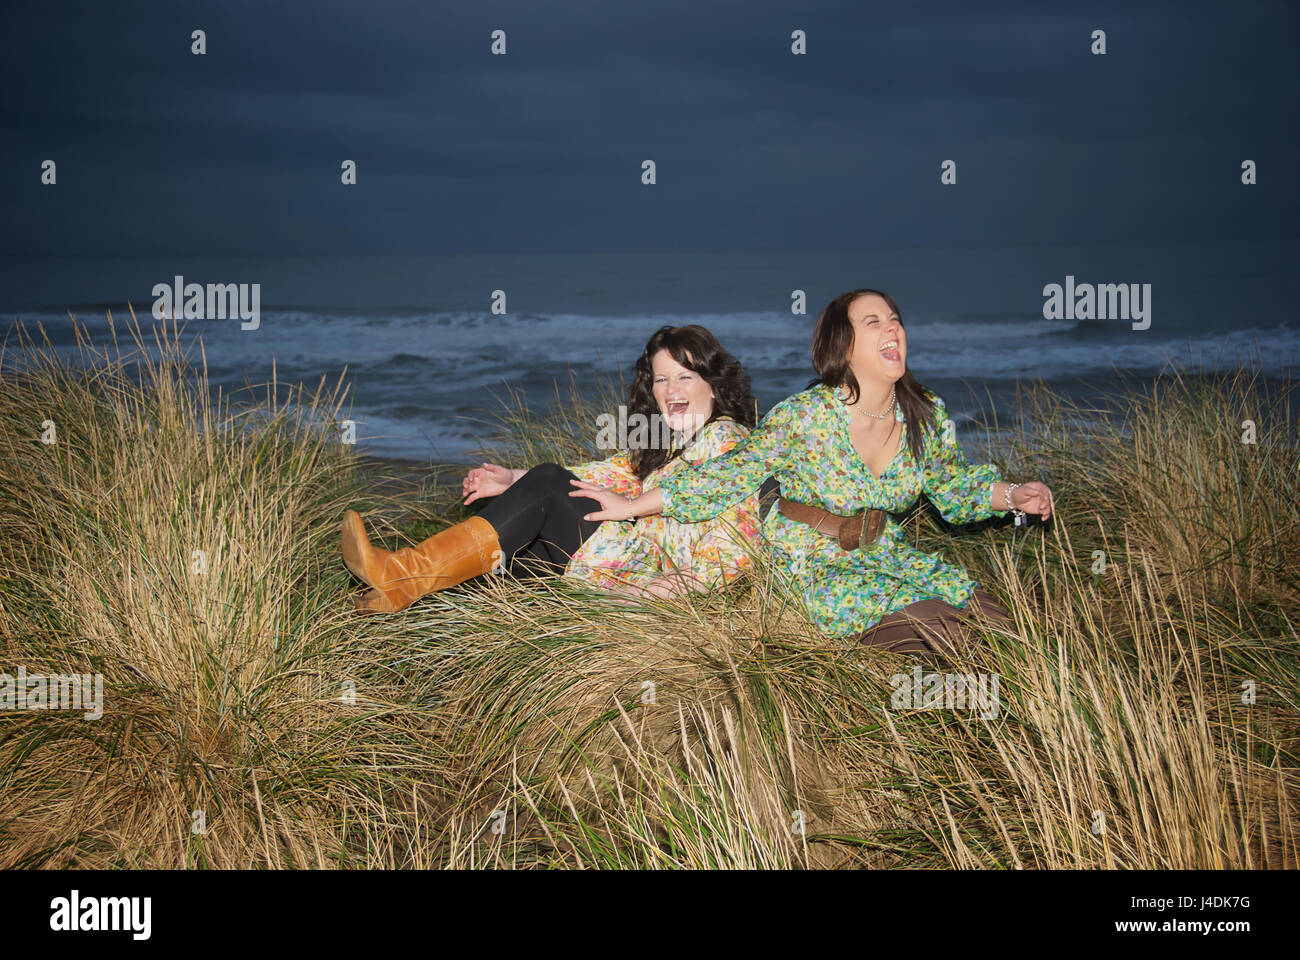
238,152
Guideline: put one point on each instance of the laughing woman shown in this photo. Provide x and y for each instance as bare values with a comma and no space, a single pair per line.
684,379
860,444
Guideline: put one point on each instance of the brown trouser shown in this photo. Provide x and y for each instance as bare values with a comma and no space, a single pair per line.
935,626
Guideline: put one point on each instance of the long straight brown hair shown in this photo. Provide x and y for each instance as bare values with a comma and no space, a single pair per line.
832,341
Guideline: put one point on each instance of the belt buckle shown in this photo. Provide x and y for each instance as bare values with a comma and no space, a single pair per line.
871,527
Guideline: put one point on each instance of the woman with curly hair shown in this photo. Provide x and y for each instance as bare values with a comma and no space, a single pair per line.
858,446
685,382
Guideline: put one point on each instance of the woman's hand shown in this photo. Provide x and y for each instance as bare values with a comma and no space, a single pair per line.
613,506
1033,497
489,480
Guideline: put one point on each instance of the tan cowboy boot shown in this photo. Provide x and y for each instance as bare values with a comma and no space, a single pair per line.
400,577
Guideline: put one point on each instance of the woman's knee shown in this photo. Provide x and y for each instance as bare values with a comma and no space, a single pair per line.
548,474
934,626
920,627
547,481
551,485
982,605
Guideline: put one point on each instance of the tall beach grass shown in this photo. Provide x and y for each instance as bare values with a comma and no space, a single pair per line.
185,547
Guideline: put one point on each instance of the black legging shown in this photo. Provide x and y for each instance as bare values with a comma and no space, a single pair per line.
538,525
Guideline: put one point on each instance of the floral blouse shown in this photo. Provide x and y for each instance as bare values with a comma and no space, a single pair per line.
804,442
716,551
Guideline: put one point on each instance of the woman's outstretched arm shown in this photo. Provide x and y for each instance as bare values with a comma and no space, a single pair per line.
966,492
706,489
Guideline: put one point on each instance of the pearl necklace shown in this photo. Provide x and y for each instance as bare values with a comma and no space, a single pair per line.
880,416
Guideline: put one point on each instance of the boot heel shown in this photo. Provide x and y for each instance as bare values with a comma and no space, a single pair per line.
376,601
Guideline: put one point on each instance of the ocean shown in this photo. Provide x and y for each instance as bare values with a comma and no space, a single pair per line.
429,364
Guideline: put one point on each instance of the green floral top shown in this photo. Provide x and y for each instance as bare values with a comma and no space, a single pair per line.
804,442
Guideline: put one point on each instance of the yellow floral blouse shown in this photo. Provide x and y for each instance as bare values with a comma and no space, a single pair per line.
716,551
804,442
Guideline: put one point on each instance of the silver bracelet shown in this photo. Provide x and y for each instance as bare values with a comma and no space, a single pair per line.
1006,495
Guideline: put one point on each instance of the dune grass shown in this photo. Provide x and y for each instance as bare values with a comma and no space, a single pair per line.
186,548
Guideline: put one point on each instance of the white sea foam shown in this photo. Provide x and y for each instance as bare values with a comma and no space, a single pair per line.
417,376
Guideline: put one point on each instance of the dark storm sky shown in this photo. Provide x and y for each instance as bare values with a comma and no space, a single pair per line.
237,152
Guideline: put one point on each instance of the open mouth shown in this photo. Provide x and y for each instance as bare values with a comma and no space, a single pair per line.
677,407
889,350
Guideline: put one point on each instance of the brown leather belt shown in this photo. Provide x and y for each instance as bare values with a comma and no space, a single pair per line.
859,530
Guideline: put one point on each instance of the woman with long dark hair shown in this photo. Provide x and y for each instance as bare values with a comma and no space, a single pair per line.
861,443
690,401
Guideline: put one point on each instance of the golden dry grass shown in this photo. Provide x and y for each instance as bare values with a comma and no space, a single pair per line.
515,725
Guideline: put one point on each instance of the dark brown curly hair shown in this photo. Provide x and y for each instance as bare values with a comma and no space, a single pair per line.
832,341
695,348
